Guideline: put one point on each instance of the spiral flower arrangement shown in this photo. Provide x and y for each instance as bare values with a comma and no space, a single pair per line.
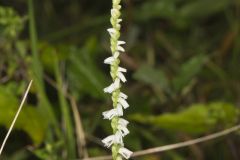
119,125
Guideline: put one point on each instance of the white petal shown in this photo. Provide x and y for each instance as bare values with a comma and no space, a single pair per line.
119,20
109,60
121,76
114,12
122,122
116,83
118,25
109,89
125,152
118,138
116,55
110,114
111,31
123,130
121,42
123,102
108,141
120,48
123,95
120,69
119,110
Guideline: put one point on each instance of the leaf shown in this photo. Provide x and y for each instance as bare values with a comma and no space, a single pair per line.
196,119
156,9
203,8
187,71
31,120
11,24
83,72
152,76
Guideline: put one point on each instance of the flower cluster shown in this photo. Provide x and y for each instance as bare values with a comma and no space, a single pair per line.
119,125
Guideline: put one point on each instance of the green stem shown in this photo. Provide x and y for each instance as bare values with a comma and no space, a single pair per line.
68,123
114,70
37,71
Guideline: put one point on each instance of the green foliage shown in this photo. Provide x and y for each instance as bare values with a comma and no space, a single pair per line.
152,76
151,9
65,109
193,11
187,71
10,23
83,72
32,119
181,13
195,119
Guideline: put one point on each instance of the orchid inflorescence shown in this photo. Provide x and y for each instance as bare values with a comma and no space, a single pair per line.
119,125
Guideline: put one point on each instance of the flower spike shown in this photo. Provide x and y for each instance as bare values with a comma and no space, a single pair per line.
119,125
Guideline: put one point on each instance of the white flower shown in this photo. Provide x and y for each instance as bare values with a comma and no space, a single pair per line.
113,12
120,48
122,95
119,20
120,69
116,54
109,114
122,126
109,89
108,141
112,31
123,129
122,122
115,85
123,102
118,111
116,138
122,77
125,152
120,42
109,60
119,138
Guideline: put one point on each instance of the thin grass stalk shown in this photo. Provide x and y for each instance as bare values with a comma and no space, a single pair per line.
66,116
37,69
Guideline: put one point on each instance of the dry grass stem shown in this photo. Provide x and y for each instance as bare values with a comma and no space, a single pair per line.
16,116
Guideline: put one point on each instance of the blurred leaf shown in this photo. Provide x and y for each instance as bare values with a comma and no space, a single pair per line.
49,53
84,74
19,155
187,71
202,8
152,76
50,151
156,9
196,119
11,24
31,119
36,70
66,114
94,151
194,11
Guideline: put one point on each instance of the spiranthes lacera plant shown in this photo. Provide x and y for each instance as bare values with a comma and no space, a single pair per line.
119,125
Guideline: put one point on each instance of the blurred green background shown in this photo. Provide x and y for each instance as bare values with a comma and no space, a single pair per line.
183,60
